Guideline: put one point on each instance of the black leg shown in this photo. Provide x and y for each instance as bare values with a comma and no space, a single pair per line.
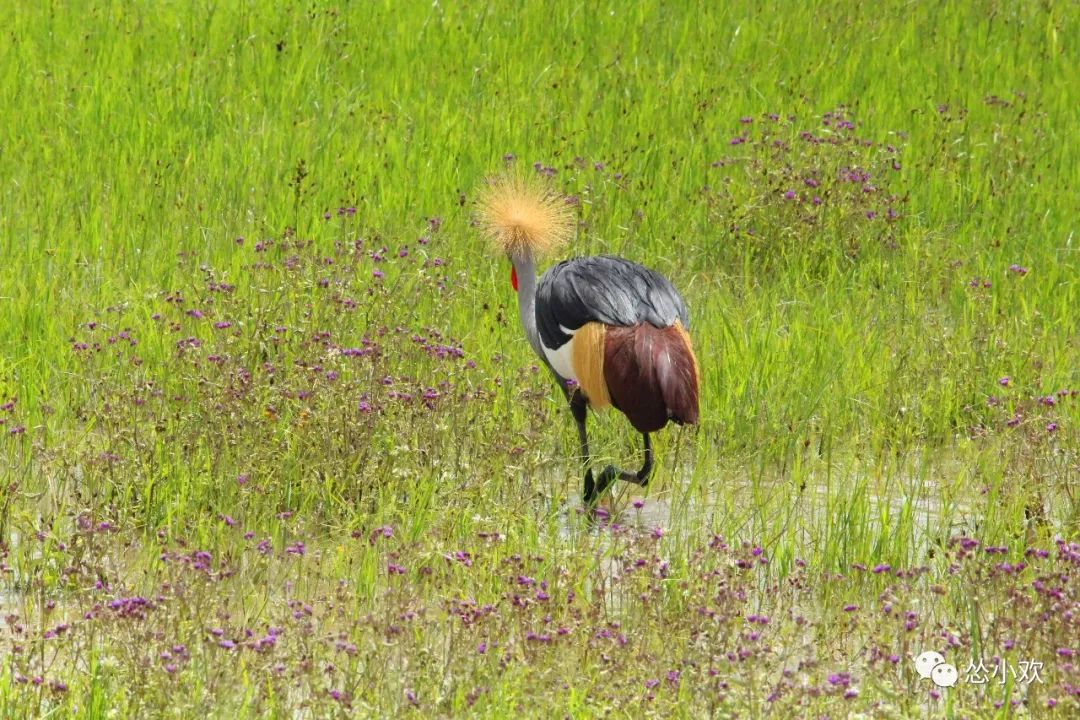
579,408
595,487
642,476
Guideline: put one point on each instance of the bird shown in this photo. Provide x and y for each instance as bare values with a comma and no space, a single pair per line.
612,332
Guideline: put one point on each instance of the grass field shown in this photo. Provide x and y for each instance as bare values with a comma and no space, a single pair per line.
272,442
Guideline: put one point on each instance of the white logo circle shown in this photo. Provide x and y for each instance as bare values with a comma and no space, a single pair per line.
944,675
925,663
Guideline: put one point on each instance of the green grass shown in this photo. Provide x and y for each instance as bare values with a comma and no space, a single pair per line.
852,352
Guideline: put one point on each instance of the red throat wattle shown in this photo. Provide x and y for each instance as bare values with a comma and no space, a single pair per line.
513,277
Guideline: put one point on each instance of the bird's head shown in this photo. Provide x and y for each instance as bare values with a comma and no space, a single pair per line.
524,219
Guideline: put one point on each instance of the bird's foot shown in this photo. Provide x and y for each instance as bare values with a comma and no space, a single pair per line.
611,473
634,477
595,488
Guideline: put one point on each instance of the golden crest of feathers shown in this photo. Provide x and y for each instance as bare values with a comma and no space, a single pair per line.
520,216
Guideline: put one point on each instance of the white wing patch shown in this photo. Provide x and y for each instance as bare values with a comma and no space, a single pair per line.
560,359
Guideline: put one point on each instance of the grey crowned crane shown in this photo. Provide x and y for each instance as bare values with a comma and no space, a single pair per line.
611,331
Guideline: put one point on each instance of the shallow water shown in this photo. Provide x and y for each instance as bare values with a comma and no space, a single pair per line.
763,511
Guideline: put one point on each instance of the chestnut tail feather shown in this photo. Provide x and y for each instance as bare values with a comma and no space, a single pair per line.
651,375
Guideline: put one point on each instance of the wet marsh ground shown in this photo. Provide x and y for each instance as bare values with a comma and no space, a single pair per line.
272,443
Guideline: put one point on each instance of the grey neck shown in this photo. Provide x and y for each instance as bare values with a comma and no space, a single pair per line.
526,276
